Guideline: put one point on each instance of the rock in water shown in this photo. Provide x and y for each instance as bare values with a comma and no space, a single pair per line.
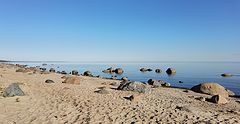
226,75
72,80
124,79
13,90
49,81
211,89
87,73
134,86
52,70
171,71
74,72
158,83
219,99
158,70
119,71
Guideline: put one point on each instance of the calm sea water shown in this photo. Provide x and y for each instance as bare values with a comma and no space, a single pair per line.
190,73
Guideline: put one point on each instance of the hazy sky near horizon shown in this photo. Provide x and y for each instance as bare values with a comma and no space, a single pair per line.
120,30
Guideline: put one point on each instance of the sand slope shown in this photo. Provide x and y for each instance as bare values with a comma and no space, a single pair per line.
60,103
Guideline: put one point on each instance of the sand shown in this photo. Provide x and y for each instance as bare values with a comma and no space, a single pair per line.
60,103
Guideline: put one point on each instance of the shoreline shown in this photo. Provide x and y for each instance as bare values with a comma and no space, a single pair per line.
76,103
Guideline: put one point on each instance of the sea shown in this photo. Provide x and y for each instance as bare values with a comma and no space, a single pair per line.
188,73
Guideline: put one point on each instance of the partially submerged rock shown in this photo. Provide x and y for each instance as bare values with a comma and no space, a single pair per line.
218,99
211,89
124,78
49,81
52,70
74,72
87,73
72,80
158,70
109,70
13,90
134,86
171,71
226,75
63,72
158,83
118,71
145,69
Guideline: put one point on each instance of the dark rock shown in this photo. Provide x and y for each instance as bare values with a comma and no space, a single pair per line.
180,82
201,99
130,98
119,71
218,99
166,85
158,70
43,69
52,70
158,83
44,64
63,72
49,81
143,69
171,71
134,86
149,69
124,79
211,89
226,75
87,73
74,72
109,70
13,90
114,77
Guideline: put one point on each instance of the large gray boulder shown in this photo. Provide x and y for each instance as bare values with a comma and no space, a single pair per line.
134,86
212,89
13,90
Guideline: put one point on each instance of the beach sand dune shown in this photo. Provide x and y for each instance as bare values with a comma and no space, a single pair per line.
59,103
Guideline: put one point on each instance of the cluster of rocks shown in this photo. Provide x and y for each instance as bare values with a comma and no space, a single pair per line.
219,93
158,83
111,70
169,71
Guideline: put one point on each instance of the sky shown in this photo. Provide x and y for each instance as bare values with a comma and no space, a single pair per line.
120,30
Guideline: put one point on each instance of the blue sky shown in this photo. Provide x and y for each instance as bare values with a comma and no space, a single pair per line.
120,30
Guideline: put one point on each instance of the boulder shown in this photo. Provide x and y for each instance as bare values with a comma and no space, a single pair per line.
49,81
87,73
158,83
124,79
109,70
211,89
13,90
118,71
226,75
43,69
52,70
63,72
134,86
171,71
218,99
158,70
74,72
143,69
72,80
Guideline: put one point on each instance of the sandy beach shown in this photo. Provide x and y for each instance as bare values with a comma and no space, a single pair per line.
62,103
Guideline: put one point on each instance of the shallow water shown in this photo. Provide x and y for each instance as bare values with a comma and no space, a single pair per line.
190,73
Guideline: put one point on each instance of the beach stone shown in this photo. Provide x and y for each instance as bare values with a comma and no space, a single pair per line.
158,70
156,83
52,70
118,71
201,99
230,93
102,91
124,79
49,81
63,72
171,71
149,69
210,89
23,70
74,72
166,85
72,80
44,64
87,73
143,69
109,70
226,75
218,99
114,77
13,90
43,69
134,86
